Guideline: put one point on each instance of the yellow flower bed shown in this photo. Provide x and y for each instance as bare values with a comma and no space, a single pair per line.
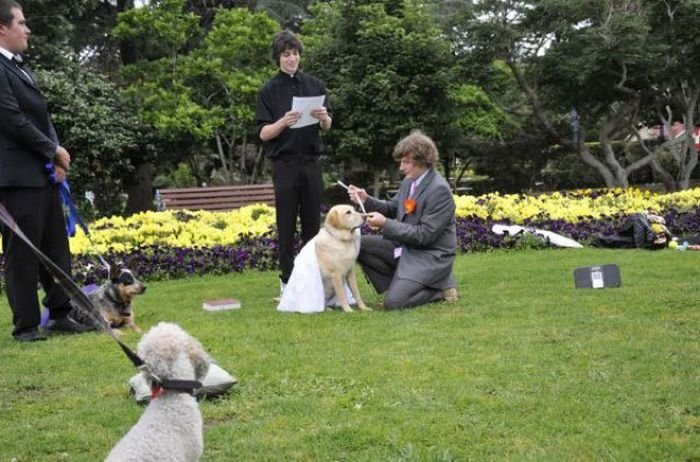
203,229
206,229
573,206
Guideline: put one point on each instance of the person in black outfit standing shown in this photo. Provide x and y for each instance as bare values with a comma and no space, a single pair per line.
29,147
295,152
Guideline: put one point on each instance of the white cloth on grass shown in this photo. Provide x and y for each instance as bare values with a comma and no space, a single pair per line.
304,291
548,236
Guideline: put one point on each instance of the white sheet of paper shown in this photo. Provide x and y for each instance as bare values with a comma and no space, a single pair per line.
305,104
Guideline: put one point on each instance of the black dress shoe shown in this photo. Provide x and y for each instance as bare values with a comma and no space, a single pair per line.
66,326
31,335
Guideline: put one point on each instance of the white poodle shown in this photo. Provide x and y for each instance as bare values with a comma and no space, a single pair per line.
170,428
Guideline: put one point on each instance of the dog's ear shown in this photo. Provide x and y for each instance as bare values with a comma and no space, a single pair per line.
113,272
198,357
333,218
130,264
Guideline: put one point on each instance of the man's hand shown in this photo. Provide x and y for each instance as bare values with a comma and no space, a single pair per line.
60,174
321,113
357,195
290,118
62,159
375,220
273,130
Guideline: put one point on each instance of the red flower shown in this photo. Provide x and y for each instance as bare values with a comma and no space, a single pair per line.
409,205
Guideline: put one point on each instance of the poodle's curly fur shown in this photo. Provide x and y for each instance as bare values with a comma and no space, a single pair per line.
170,428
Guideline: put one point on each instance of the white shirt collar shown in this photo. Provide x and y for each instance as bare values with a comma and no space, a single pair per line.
6,53
420,178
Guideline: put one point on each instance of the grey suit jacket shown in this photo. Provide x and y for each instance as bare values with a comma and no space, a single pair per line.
428,235
28,139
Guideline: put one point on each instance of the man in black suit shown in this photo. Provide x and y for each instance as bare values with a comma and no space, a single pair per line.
29,151
295,151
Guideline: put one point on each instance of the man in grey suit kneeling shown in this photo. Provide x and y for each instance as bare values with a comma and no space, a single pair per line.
412,260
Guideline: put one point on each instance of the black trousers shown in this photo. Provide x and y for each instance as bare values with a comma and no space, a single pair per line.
39,214
298,187
377,261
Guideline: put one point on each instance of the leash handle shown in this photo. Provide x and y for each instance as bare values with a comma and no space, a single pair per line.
51,172
72,217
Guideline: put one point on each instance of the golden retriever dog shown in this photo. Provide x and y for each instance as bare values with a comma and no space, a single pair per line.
337,247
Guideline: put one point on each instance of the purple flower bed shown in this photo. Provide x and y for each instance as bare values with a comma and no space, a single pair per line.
157,263
474,234
260,252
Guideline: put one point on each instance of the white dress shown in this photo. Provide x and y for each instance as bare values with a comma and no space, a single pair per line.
304,292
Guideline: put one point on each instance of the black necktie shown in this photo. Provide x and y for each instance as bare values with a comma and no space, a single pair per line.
19,62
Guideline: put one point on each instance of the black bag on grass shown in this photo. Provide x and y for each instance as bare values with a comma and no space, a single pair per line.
641,230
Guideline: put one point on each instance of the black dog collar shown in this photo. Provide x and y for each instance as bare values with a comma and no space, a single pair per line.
124,308
178,386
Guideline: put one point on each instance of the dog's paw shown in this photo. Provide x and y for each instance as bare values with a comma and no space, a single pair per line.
364,308
346,308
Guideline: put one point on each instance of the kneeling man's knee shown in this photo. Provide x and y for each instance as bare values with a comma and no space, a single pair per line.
393,302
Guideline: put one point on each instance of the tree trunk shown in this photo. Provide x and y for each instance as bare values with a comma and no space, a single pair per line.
687,160
242,156
225,170
665,177
690,99
376,185
447,170
576,146
258,165
140,190
688,167
127,48
686,164
604,172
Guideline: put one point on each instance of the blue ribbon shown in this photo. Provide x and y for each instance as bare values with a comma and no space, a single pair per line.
72,217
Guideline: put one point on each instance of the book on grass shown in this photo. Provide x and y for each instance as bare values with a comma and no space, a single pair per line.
221,304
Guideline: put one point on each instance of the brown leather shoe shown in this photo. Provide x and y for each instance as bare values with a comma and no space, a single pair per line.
450,295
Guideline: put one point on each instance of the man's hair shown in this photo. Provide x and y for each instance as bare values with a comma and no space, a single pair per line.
419,147
6,14
285,40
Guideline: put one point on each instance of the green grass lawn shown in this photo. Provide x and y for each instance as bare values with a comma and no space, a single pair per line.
524,367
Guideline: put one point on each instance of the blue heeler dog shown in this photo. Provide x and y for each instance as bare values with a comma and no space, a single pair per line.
113,299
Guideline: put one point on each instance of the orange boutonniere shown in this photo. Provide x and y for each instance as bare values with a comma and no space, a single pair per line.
409,205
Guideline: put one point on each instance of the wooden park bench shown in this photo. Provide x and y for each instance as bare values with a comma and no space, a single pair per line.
216,197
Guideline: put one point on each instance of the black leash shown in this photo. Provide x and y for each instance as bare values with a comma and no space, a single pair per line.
84,304
76,295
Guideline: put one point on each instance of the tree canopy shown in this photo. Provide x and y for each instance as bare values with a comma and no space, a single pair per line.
388,71
592,72
511,88
200,97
